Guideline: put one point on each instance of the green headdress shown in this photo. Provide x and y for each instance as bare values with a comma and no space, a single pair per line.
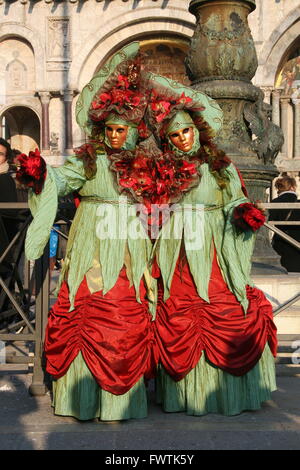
168,97
97,99
132,134
181,120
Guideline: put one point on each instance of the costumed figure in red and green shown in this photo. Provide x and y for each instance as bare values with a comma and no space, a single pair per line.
214,329
143,293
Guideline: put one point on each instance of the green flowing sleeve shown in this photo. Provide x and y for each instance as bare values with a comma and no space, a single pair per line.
59,182
235,249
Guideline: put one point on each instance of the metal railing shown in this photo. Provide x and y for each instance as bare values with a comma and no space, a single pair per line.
24,295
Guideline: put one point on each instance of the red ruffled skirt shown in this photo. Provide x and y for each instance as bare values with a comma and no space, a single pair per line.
120,343
186,325
113,332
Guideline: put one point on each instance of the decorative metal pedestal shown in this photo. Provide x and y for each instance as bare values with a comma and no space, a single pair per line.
221,62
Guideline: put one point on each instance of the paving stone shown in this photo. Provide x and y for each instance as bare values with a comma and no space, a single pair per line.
28,423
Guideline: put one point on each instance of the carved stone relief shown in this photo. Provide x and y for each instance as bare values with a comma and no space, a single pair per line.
54,150
59,42
16,74
17,67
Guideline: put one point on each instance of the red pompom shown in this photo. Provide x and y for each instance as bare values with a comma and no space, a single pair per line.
32,171
247,217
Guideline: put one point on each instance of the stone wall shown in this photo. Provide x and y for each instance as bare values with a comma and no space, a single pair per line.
275,26
49,50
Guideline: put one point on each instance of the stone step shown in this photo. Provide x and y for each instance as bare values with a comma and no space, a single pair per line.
288,355
288,346
286,349
288,337
279,289
288,322
288,343
285,357
288,370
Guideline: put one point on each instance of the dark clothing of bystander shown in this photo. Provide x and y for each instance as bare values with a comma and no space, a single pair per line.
290,255
8,193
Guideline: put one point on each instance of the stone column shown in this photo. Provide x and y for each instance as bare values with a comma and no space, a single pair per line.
267,93
221,63
276,106
284,107
45,101
296,103
68,99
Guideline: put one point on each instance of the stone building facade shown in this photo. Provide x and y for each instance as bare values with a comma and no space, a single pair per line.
50,49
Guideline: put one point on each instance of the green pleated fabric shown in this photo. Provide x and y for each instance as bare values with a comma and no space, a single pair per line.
98,227
208,389
87,94
201,218
39,230
77,394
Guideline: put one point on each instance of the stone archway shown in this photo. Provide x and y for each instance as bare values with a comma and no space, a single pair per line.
178,27
21,127
282,70
9,30
278,32
165,56
288,73
116,34
273,54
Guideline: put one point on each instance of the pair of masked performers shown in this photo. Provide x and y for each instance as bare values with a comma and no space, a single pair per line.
142,294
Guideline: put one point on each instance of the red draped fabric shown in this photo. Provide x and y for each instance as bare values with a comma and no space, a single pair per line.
120,343
114,333
186,325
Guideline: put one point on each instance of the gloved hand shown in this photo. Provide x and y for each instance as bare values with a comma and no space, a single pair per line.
248,216
32,171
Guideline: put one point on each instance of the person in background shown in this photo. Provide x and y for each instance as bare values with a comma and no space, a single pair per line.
9,222
290,255
8,193
22,191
